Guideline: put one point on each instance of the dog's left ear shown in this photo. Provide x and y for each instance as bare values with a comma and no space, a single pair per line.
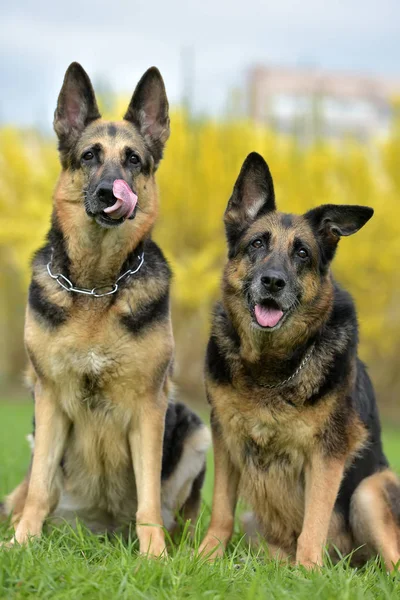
253,195
148,111
330,222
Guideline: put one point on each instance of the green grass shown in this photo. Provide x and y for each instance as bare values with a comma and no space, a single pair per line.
75,564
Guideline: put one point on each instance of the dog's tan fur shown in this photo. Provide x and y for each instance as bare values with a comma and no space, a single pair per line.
101,393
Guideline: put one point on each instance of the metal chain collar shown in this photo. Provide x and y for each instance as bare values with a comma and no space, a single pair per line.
297,371
65,283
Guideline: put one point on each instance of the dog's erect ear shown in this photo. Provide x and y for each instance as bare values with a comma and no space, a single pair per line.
76,106
252,196
148,111
330,222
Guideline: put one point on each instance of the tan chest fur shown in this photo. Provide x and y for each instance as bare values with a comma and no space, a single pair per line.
270,424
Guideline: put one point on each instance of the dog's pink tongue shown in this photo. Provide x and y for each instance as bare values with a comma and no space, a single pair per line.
125,203
267,317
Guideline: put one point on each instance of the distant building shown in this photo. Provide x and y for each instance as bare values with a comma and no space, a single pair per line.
310,102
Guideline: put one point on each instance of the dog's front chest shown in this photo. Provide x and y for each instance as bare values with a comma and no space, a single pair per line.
269,450
96,363
93,359
260,439
86,356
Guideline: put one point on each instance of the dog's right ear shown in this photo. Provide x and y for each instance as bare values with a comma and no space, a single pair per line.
76,106
252,196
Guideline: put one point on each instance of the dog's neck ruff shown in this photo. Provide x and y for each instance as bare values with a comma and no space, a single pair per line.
96,292
293,375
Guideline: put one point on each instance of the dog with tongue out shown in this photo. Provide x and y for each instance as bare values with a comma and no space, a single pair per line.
295,424
112,447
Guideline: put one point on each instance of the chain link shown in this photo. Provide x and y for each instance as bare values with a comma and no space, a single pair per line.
112,288
297,371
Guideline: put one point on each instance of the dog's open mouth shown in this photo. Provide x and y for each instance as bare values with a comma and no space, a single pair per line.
268,314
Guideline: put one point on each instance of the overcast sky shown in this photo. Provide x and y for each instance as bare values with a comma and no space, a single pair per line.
116,41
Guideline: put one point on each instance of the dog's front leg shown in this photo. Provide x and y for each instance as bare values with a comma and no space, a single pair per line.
146,442
226,481
52,426
323,476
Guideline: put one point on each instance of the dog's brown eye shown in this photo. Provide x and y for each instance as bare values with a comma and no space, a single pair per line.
302,253
134,159
257,244
88,155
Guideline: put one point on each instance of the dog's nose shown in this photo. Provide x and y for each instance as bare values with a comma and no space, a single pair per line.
105,194
273,281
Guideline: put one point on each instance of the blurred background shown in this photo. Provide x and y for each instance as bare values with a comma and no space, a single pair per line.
314,87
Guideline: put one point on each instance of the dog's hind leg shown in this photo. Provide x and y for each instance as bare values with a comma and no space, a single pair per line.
14,503
181,491
375,516
191,507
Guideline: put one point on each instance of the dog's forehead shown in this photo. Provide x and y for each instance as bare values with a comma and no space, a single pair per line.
283,227
113,135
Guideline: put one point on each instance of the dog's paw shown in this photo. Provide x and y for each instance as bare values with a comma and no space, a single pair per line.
211,548
309,555
155,550
26,531
152,542
309,563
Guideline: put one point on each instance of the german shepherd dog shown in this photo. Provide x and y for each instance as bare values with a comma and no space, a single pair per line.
110,445
294,419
